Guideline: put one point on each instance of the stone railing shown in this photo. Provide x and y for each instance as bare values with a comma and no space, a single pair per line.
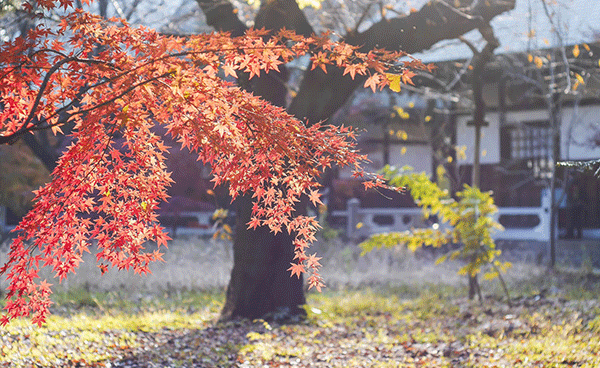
520,223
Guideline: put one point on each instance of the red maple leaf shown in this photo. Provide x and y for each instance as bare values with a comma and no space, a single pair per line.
254,223
314,197
296,269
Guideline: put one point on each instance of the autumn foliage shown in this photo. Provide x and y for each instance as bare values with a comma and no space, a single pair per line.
115,83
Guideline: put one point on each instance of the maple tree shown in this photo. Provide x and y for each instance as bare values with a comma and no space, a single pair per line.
116,82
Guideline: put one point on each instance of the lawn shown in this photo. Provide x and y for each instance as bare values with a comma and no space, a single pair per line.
388,309
430,327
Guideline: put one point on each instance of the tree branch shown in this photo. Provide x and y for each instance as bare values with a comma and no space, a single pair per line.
434,22
277,14
221,15
320,94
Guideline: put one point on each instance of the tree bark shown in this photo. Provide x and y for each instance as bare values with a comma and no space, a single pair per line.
222,16
260,285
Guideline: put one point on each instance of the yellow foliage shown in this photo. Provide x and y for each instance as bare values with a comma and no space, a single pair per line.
468,219
301,3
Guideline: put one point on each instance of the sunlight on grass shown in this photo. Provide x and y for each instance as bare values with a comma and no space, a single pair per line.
381,327
102,333
390,309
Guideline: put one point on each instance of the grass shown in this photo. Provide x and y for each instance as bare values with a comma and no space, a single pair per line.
389,309
367,327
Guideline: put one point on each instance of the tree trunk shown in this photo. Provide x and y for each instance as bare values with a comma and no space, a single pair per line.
477,81
260,285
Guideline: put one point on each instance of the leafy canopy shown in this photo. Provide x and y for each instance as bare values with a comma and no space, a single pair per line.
115,83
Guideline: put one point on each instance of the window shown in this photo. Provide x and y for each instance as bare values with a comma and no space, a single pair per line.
528,140
528,143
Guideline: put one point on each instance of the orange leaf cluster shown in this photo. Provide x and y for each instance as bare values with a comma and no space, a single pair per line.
115,83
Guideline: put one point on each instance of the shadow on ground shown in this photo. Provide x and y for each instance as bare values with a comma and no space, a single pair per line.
214,346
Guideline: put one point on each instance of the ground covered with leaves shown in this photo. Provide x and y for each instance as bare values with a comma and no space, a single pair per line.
428,327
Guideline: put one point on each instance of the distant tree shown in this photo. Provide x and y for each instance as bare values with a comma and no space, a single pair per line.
466,221
115,82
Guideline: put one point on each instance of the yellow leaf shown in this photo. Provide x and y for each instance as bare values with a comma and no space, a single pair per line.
394,80
449,159
490,276
403,151
579,78
576,51
483,153
427,119
586,47
401,134
359,225
538,62
316,4
530,58
461,152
